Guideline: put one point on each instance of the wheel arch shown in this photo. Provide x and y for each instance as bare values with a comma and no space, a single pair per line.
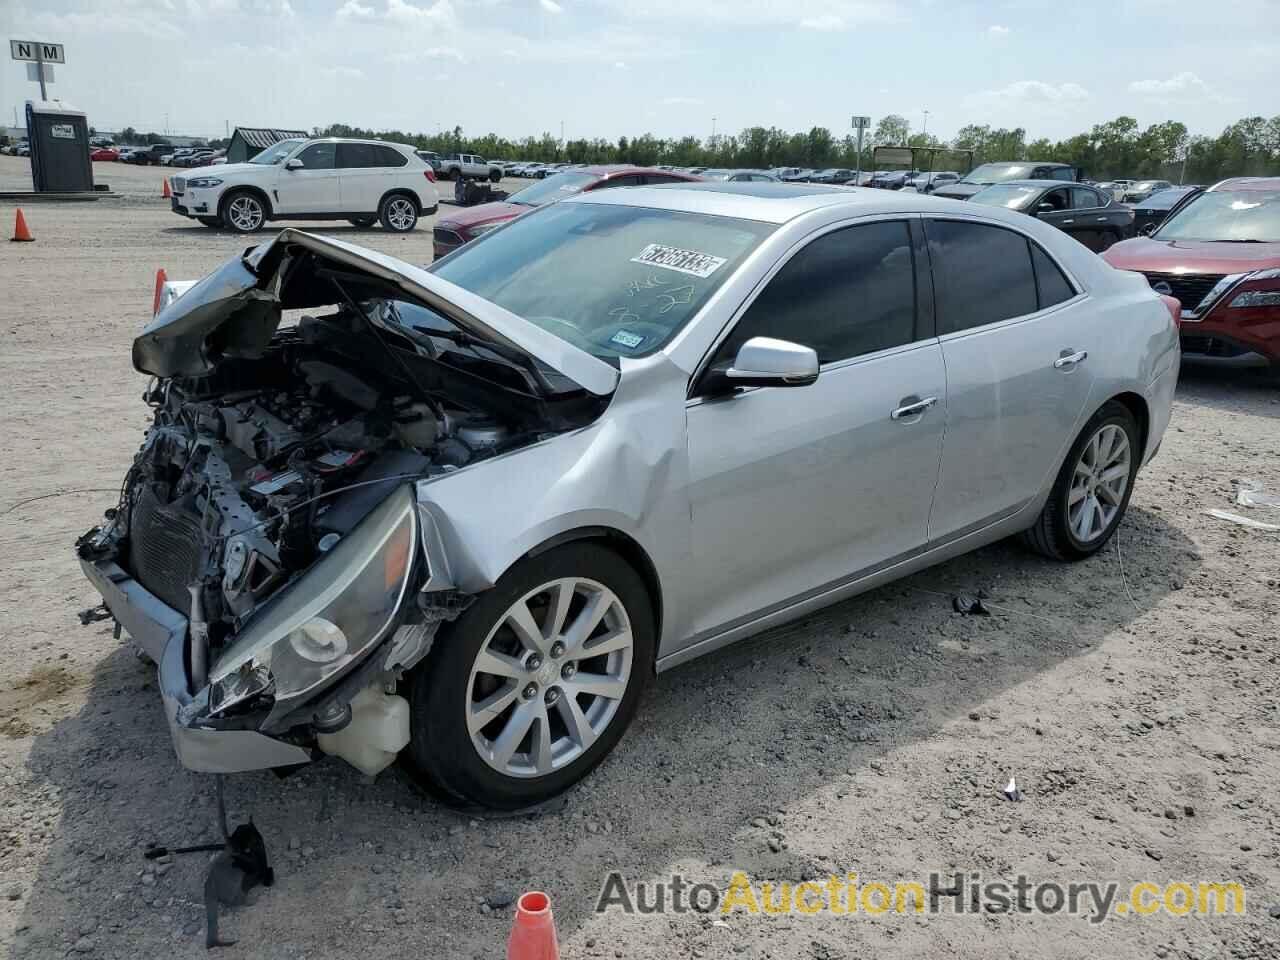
626,547
245,188
401,192
1136,404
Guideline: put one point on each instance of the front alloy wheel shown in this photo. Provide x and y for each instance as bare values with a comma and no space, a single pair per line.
244,213
533,685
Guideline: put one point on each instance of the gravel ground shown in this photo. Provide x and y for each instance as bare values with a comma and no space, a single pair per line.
1134,696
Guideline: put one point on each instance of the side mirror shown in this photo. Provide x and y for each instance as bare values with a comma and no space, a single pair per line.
765,362
1148,229
1045,207
294,164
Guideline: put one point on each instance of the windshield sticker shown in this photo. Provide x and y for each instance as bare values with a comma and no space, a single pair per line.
685,261
627,339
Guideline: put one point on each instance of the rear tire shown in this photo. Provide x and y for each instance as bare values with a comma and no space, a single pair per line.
1092,491
539,700
398,213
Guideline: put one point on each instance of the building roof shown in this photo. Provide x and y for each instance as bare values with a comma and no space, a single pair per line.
264,137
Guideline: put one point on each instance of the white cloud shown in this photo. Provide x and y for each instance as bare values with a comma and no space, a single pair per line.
550,6
683,101
355,10
430,53
998,32
1037,91
342,73
825,15
619,65
1185,82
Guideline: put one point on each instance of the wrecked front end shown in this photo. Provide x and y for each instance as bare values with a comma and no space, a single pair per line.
267,550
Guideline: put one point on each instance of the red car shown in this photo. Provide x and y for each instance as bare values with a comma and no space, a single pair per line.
104,153
1219,254
467,223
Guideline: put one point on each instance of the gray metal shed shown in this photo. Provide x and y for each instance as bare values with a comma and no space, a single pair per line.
247,142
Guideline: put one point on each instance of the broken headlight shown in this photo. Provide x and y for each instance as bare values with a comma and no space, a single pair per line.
323,624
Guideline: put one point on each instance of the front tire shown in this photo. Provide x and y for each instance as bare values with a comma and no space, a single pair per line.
526,692
244,211
1092,491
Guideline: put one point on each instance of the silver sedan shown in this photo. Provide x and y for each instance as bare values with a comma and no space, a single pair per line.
460,516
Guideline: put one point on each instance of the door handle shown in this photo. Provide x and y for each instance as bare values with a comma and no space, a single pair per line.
911,406
1068,360
1102,219
1068,221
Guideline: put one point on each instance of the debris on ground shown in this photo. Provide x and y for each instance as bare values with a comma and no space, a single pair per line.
1242,521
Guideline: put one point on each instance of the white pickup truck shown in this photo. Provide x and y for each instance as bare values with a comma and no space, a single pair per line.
468,166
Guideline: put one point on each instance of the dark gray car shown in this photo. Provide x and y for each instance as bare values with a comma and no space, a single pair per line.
1088,214
984,176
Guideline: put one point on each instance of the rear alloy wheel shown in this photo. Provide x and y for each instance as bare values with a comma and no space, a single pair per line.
398,213
1093,488
535,683
244,212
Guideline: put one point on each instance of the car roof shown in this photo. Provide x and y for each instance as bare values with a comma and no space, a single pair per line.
774,202
1038,183
1247,183
617,169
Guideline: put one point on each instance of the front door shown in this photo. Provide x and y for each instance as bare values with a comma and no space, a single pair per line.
796,488
1016,338
311,188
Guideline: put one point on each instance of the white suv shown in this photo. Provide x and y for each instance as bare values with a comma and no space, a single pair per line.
361,181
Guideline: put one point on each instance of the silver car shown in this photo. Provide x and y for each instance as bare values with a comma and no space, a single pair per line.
459,516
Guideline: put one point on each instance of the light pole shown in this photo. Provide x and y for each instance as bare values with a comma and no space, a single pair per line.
925,129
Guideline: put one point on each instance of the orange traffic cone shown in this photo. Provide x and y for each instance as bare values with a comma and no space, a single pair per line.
161,280
166,193
20,232
533,935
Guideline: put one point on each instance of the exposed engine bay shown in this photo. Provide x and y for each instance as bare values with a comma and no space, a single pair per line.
252,472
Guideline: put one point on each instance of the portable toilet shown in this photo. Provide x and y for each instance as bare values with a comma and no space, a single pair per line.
59,139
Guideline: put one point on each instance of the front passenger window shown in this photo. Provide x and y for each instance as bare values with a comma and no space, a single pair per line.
847,293
318,156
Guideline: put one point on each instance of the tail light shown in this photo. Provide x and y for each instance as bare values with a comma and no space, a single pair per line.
1175,309
429,174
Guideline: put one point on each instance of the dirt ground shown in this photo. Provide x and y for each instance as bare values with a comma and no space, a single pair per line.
1133,696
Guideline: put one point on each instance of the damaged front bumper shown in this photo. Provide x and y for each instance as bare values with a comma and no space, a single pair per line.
162,633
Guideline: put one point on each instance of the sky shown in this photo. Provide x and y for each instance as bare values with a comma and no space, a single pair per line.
670,67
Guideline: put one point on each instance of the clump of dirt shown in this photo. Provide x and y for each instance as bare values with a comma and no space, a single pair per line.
43,684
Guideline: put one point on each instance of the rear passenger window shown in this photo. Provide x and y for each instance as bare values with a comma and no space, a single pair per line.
847,293
982,274
1053,287
388,157
357,155
1085,198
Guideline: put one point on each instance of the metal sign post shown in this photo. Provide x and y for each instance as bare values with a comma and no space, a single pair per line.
32,51
860,124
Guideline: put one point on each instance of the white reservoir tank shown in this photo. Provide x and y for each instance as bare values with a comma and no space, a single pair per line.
379,729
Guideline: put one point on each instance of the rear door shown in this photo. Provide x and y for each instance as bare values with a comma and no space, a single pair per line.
1102,217
1016,337
362,177
796,488
311,189
1066,217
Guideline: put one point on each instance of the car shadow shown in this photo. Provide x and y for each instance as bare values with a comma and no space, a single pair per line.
1231,390
750,731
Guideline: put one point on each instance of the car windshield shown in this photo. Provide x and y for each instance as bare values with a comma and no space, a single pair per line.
553,188
1013,196
1226,215
999,172
614,280
276,152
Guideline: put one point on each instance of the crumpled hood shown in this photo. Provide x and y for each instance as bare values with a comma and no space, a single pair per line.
234,311
1148,255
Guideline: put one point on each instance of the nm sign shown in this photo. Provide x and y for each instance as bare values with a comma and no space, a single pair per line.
37,52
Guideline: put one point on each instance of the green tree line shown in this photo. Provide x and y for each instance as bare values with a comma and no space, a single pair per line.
1117,148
